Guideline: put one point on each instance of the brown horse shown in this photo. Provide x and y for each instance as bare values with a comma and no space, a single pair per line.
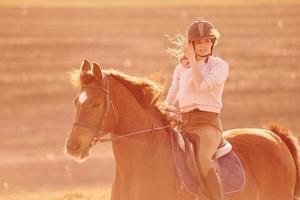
125,107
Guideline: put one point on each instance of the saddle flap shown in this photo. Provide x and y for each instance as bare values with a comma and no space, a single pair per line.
181,141
226,163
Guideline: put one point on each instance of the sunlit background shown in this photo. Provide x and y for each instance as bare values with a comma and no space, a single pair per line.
41,41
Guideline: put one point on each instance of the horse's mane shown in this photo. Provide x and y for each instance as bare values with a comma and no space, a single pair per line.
146,91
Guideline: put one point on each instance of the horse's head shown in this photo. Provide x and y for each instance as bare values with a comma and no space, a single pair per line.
93,110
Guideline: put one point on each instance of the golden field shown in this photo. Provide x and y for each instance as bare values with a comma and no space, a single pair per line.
40,44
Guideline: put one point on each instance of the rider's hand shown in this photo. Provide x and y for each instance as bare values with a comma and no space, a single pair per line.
189,51
167,107
173,116
184,62
163,105
170,111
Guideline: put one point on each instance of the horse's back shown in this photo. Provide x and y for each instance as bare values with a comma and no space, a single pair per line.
267,159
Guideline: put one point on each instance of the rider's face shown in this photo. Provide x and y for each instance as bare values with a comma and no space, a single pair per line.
203,47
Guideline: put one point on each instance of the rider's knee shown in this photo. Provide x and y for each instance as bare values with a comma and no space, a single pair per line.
205,165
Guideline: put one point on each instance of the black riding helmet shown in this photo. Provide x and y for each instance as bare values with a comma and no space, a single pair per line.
202,29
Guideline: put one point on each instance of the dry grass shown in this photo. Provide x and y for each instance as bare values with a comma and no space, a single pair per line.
138,3
40,45
74,194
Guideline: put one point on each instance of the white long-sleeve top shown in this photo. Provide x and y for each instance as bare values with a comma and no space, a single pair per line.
207,96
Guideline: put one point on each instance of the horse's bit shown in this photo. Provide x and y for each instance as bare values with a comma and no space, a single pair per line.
99,129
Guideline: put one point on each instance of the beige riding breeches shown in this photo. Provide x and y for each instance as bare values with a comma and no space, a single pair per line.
205,130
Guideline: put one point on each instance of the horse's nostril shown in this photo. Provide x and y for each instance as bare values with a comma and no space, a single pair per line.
75,147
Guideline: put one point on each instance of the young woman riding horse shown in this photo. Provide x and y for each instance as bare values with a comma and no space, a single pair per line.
198,83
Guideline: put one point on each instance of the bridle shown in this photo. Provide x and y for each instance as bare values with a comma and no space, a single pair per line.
99,130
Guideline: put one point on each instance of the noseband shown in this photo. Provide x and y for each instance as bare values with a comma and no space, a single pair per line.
99,129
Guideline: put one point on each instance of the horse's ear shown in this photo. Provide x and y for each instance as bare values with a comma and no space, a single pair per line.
85,67
97,72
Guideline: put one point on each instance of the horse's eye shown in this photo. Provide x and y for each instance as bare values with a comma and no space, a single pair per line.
96,105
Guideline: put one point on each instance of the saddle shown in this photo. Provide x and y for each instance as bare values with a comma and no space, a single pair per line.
226,163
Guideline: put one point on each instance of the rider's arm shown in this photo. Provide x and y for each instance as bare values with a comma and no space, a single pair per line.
217,75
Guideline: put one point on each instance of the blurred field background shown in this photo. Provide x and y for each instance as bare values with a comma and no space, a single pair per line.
40,41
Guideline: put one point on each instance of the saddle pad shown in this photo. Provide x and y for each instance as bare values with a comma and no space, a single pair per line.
229,168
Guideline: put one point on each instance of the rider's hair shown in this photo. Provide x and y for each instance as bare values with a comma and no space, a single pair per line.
178,40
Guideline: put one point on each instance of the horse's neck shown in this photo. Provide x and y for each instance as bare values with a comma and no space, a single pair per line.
134,117
144,166
150,146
